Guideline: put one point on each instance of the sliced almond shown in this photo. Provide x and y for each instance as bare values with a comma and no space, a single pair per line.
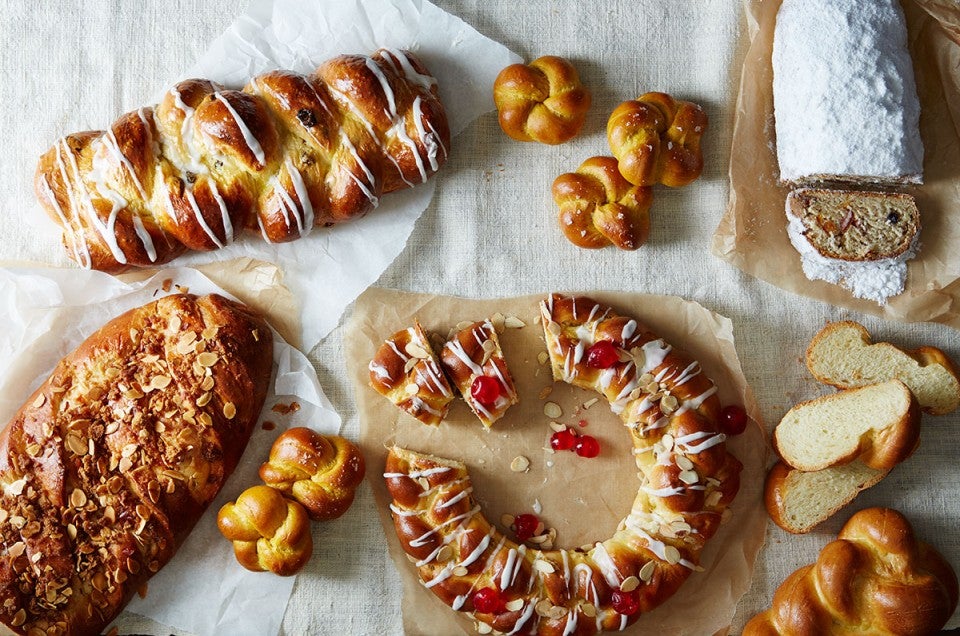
489,345
684,463
590,402
552,410
207,359
671,554
37,403
646,572
416,350
589,610
538,539
497,320
515,604
207,383
204,399
160,382
713,498
410,364
689,477
557,426
629,584
520,464
545,392
542,357
78,498
513,322
463,324
460,571
507,520
444,554
554,328
543,607
132,394
483,628
412,389
17,549
16,488
229,410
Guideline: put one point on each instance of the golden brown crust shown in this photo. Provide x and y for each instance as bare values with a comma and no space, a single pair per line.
656,139
542,101
876,573
115,457
269,532
404,362
474,351
321,473
285,154
688,480
598,207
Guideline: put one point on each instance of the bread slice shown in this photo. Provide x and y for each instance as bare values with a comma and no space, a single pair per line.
850,225
798,501
879,423
842,355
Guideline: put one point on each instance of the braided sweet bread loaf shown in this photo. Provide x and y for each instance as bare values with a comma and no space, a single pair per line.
115,457
876,578
656,139
687,481
285,154
598,207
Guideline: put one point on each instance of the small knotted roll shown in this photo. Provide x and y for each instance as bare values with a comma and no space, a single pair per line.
321,473
269,532
598,207
541,101
656,139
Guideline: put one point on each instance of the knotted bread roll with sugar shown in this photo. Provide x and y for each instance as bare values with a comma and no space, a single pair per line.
598,207
285,154
656,139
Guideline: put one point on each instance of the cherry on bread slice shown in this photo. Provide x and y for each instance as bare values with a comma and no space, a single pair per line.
879,423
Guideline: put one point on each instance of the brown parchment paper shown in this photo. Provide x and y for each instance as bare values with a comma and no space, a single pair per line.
584,499
753,232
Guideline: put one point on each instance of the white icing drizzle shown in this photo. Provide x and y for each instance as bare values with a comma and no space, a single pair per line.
301,189
430,140
590,587
263,230
655,352
444,574
628,330
248,136
422,539
77,238
416,474
427,82
287,204
458,602
400,130
522,620
607,567
571,625
384,86
457,349
512,567
380,370
186,133
479,550
689,373
463,494
688,443
446,484
696,402
224,214
393,345
168,198
199,217
144,237
113,147
432,377
367,190
107,232
659,548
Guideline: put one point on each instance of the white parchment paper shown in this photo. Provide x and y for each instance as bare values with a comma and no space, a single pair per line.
203,590
329,268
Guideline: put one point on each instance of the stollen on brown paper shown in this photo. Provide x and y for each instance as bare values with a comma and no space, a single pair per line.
753,232
584,499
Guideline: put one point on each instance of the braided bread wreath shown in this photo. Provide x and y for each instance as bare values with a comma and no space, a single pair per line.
687,481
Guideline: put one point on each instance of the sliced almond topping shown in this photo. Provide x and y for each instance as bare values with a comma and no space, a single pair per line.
513,322
210,332
412,388
554,328
520,464
256,335
713,498
17,549
543,607
78,498
672,555
33,450
497,320
125,464
37,403
205,419
3,515
129,450
684,463
109,513
646,572
542,357
143,512
411,362
589,610
545,392
207,359
557,426
629,584
207,383
689,477
416,350
16,487
460,571
557,612
19,618
175,322
538,539
132,394
514,605
667,441
552,410
489,345
229,410
160,381
669,402
204,399
112,428
507,520
444,554
483,628
71,531
590,402
463,324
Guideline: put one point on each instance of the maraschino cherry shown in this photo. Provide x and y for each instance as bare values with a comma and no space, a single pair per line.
627,603
602,355
525,526
733,420
563,440
485,389
489,600
587,446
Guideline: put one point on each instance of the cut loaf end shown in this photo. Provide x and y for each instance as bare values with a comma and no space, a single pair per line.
798,501
879,423
842,355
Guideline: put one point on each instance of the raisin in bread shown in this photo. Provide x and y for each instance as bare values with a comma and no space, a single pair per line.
842,355
861,240
879,424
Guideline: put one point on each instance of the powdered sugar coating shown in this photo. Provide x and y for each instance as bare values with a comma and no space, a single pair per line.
872,280
845,98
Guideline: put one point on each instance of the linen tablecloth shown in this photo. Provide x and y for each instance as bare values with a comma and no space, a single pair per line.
491,230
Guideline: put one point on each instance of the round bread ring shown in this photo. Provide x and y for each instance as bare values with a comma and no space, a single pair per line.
654,549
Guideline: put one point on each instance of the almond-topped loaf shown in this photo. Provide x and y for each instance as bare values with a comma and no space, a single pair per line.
844,94
879,423
474,361
405,370
842,355
797,501
115,457
861,240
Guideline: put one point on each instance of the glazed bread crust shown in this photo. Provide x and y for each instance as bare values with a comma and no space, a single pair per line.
113,459
285,154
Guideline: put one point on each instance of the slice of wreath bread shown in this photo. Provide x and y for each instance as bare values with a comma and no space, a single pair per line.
878,423
798,501
842,355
